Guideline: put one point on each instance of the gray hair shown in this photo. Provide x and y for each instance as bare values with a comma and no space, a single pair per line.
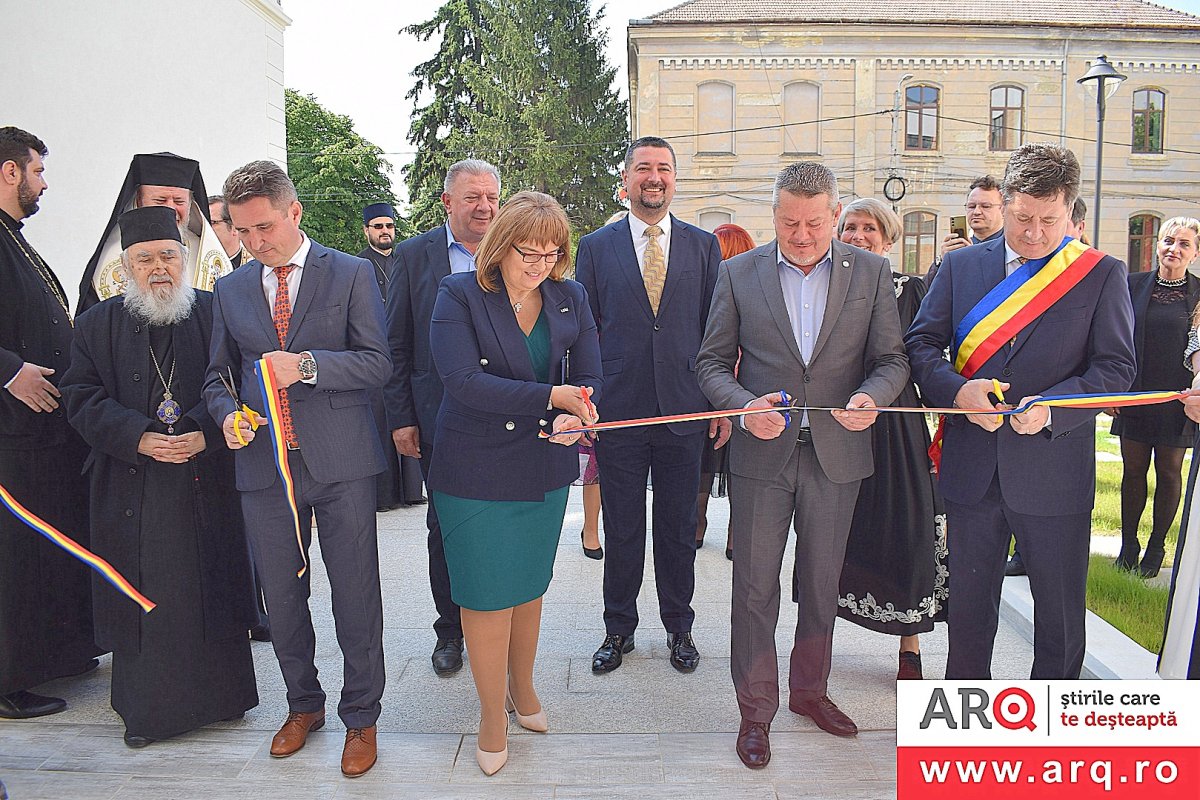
1043,171
1175,224
889,223
806,179
470,166
260,179
1078,211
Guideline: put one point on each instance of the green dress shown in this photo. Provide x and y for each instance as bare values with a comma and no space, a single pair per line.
500,553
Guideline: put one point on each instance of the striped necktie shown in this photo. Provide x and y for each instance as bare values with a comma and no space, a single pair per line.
654,269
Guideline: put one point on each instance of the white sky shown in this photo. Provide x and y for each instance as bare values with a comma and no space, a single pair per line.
351,56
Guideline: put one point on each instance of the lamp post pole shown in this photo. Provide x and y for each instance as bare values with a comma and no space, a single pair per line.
1101,72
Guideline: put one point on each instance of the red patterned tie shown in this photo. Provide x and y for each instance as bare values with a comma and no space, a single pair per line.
282,314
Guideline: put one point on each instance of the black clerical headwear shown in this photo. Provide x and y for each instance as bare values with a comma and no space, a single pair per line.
206,258
150,224
378,210
164,169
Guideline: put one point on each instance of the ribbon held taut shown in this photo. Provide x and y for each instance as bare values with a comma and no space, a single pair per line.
1122,400
75,550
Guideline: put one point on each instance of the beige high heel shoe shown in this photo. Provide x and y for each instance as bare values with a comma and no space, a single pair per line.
491,762
538,723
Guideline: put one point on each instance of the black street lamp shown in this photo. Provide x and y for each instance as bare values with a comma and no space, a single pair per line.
1101,72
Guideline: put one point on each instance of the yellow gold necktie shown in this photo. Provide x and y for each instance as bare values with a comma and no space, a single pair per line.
654,270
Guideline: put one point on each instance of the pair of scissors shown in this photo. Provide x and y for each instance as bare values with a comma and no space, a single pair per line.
241,410
996,390
787,402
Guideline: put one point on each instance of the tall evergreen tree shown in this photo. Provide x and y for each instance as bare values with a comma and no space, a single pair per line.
538,102
460,25
336,172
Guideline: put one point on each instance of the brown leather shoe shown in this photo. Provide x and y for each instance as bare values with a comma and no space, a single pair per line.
358,755
295,730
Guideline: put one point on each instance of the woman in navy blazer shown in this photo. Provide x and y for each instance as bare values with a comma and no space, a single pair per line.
514,351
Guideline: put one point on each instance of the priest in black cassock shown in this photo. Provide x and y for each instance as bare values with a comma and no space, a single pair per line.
45,596
400,484
164,507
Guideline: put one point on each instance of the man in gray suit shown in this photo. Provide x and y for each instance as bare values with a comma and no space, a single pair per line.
815,323
316,316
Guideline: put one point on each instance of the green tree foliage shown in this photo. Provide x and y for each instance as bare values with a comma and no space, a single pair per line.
535,99
336,173
442,78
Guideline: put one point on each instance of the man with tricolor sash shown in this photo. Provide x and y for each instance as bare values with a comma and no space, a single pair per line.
1031,314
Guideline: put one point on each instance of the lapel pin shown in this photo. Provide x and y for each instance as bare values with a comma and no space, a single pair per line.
564,310
845,263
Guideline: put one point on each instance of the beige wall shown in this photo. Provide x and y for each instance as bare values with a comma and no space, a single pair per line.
858,71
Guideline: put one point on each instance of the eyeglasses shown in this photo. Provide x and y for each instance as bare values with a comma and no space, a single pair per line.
383,226
533,258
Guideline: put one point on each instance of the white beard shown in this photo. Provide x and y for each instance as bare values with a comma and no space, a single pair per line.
148,307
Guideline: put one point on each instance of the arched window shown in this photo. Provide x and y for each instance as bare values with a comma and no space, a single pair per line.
921,117
1007,118
1143,236
714,118
1149,118
710,218
801,107
920,241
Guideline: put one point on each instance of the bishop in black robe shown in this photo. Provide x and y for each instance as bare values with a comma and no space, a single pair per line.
174,529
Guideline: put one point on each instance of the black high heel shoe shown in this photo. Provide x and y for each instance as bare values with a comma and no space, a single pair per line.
1127,560
593,553
1151,562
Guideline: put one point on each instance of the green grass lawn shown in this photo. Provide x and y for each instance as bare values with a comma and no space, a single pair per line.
1127,602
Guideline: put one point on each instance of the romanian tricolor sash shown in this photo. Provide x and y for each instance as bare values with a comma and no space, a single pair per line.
1010,307
75,550
274,413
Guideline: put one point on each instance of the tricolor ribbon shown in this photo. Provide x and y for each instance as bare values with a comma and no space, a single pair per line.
1054,401
274,414
75,550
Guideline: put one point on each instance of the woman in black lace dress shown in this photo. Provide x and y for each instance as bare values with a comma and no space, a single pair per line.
894,579
1163,303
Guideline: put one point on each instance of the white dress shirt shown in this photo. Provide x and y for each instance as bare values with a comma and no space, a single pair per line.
271,282
638,228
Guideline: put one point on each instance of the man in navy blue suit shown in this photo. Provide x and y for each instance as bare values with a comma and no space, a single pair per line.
413,395
1032,474
316,316
650,280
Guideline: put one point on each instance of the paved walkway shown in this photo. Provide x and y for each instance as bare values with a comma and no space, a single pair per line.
644,729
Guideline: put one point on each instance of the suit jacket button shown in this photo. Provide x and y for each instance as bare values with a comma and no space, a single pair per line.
656,326
808,378
483,362
136,377
129,512
1006,372
133,470
510,425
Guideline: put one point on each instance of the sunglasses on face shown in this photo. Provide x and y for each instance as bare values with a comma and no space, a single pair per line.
383,226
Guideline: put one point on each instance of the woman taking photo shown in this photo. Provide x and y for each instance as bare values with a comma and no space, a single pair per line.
502,339
894,576
1163,304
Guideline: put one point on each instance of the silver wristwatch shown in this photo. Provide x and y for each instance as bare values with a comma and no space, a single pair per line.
307,366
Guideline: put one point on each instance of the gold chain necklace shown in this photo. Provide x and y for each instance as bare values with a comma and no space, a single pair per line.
168,411
42,269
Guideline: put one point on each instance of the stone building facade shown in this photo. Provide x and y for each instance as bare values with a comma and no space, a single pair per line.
934,94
